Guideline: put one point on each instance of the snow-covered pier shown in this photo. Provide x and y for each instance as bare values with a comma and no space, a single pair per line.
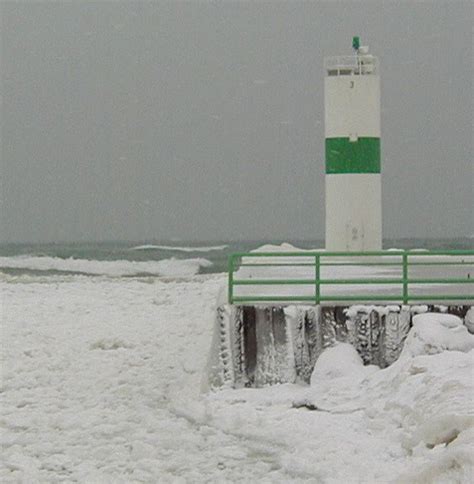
286,306
287,275
263,345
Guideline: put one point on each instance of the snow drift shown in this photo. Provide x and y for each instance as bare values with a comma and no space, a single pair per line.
427,394
420,408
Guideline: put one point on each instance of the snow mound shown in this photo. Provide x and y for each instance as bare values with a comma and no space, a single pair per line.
338,361
336,379
117,268
447,320
427,394
285,247
433,333
429,399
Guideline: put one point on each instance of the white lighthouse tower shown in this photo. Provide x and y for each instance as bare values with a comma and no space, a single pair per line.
352,130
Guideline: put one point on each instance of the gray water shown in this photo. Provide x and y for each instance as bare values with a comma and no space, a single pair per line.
115,251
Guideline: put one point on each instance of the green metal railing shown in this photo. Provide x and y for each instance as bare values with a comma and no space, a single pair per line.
400,269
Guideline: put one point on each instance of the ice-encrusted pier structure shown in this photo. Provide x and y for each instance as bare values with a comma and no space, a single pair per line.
282,309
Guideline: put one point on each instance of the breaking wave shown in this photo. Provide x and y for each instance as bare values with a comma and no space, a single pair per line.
117,268
179,249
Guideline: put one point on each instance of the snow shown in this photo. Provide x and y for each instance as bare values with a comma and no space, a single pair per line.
116,268
92,370
435,332
179,249
339,361
284,247
429,399
355,309
102,377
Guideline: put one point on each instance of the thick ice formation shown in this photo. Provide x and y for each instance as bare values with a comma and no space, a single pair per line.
435,332
427,394
410,422
114,268
430,399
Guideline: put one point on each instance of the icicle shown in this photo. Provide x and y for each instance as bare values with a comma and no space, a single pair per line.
237,346
225,351
314,338
397,325
295,317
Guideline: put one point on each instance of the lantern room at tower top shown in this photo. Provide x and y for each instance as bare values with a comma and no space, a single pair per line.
352,149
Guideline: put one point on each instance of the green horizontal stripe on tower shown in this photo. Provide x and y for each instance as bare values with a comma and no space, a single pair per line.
345,156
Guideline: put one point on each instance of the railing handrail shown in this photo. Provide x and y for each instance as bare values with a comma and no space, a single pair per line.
382,253
322,258
365,64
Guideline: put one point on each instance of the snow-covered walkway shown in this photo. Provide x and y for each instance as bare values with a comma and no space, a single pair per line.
101,383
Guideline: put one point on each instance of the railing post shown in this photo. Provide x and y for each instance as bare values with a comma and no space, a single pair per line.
230,287
317,278
405,277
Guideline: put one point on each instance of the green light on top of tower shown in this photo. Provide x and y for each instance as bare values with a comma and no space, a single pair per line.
355,42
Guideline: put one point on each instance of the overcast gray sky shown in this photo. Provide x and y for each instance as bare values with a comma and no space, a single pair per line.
204,120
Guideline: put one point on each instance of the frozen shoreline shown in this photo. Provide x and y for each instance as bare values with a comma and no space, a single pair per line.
102,378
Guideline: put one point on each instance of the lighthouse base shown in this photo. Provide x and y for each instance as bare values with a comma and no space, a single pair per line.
353,212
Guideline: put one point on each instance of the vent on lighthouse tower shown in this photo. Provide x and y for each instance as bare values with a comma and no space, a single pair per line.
352,148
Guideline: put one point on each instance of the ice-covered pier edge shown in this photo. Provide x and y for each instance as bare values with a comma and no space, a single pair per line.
262,345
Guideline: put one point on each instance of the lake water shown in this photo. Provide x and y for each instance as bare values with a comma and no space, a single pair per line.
164,257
